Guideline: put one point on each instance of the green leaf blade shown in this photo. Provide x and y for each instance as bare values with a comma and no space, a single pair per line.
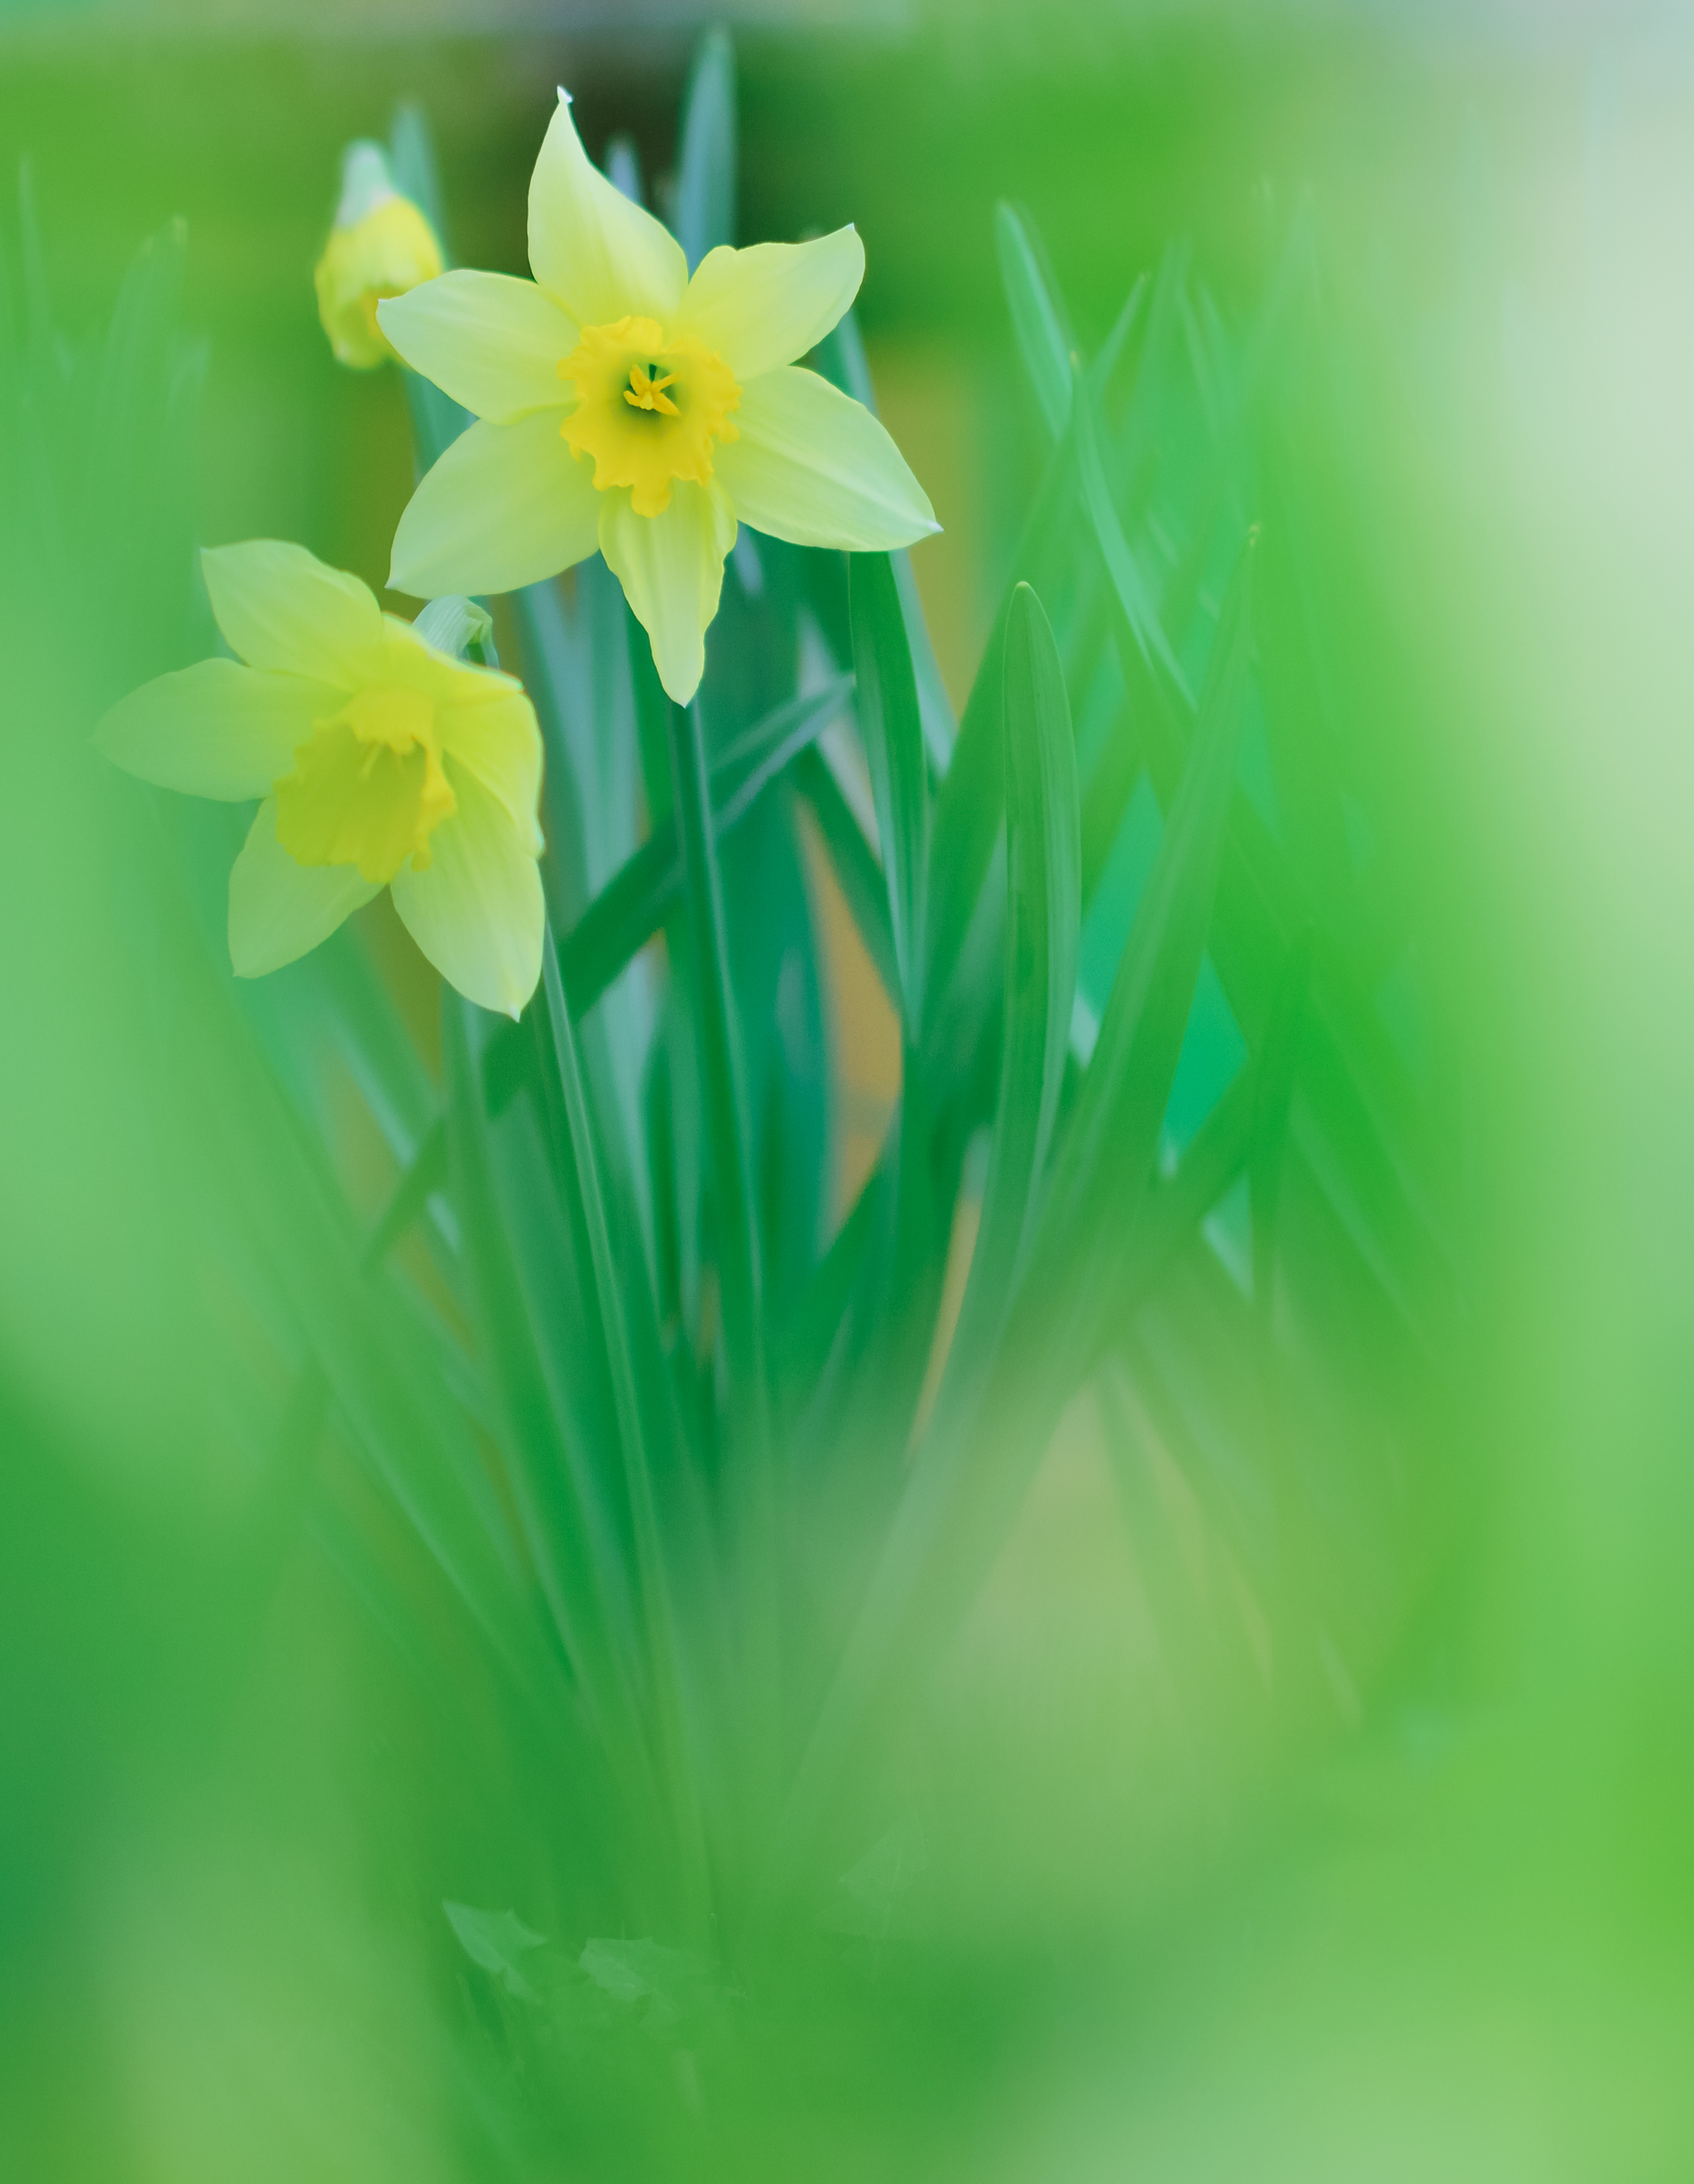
893,730
1043,931
706,181
1035,317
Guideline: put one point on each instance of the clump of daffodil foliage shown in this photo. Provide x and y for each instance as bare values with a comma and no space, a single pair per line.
780,1480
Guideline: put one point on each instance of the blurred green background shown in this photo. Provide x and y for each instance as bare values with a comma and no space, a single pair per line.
1200,1914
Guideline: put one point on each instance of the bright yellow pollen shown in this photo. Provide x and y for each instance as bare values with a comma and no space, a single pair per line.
368,788
638,435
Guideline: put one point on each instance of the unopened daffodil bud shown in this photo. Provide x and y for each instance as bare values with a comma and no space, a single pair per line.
381,246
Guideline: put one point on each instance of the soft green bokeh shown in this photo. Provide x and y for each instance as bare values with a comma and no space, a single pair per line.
1304,1791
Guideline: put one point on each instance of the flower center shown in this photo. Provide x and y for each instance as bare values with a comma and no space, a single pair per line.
368,788
648,410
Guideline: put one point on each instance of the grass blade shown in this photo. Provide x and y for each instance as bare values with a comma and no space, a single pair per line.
1043,914
640,897
1121,564
854,861
1273,1090
653,1586
968,813
706,181
1035,318
893,732
721,1072
1109,1145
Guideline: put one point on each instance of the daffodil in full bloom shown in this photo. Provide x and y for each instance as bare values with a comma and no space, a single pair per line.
624,405
380,246
382,761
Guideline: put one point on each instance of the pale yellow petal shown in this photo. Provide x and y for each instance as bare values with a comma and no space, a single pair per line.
765,306
590,245
672,570
280,608
215,729
280,910
477,912
491,343
815,467
506,505
497,737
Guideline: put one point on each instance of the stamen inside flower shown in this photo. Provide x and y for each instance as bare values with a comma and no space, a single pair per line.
648,410
368,788
645,392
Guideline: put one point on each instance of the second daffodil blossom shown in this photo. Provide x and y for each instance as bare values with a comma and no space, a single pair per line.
382,759
624,405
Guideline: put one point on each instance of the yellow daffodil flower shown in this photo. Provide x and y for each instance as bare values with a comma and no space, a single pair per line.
625,406
382,761
381,246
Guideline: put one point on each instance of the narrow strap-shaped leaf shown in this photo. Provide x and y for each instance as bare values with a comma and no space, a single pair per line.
639,898
721,1072
653,1583
854,862
1148,403
751,1482
893,746
1035,317
953,1516
1042,930
1174,1209
569,1532
623,168
1043,914
1121,564
1356,1085
411,159
841,358
971,805
418,1184
1272,1100
705,163
968,813
636,902
1100,370
382,1379
1110,1145
585,1157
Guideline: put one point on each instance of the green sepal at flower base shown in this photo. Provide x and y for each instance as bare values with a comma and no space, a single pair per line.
625,406
381,761
381,246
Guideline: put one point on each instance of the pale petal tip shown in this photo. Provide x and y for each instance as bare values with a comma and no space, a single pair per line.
681,691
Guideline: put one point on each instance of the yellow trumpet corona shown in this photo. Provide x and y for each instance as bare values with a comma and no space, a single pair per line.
381,759
380,247
625,405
